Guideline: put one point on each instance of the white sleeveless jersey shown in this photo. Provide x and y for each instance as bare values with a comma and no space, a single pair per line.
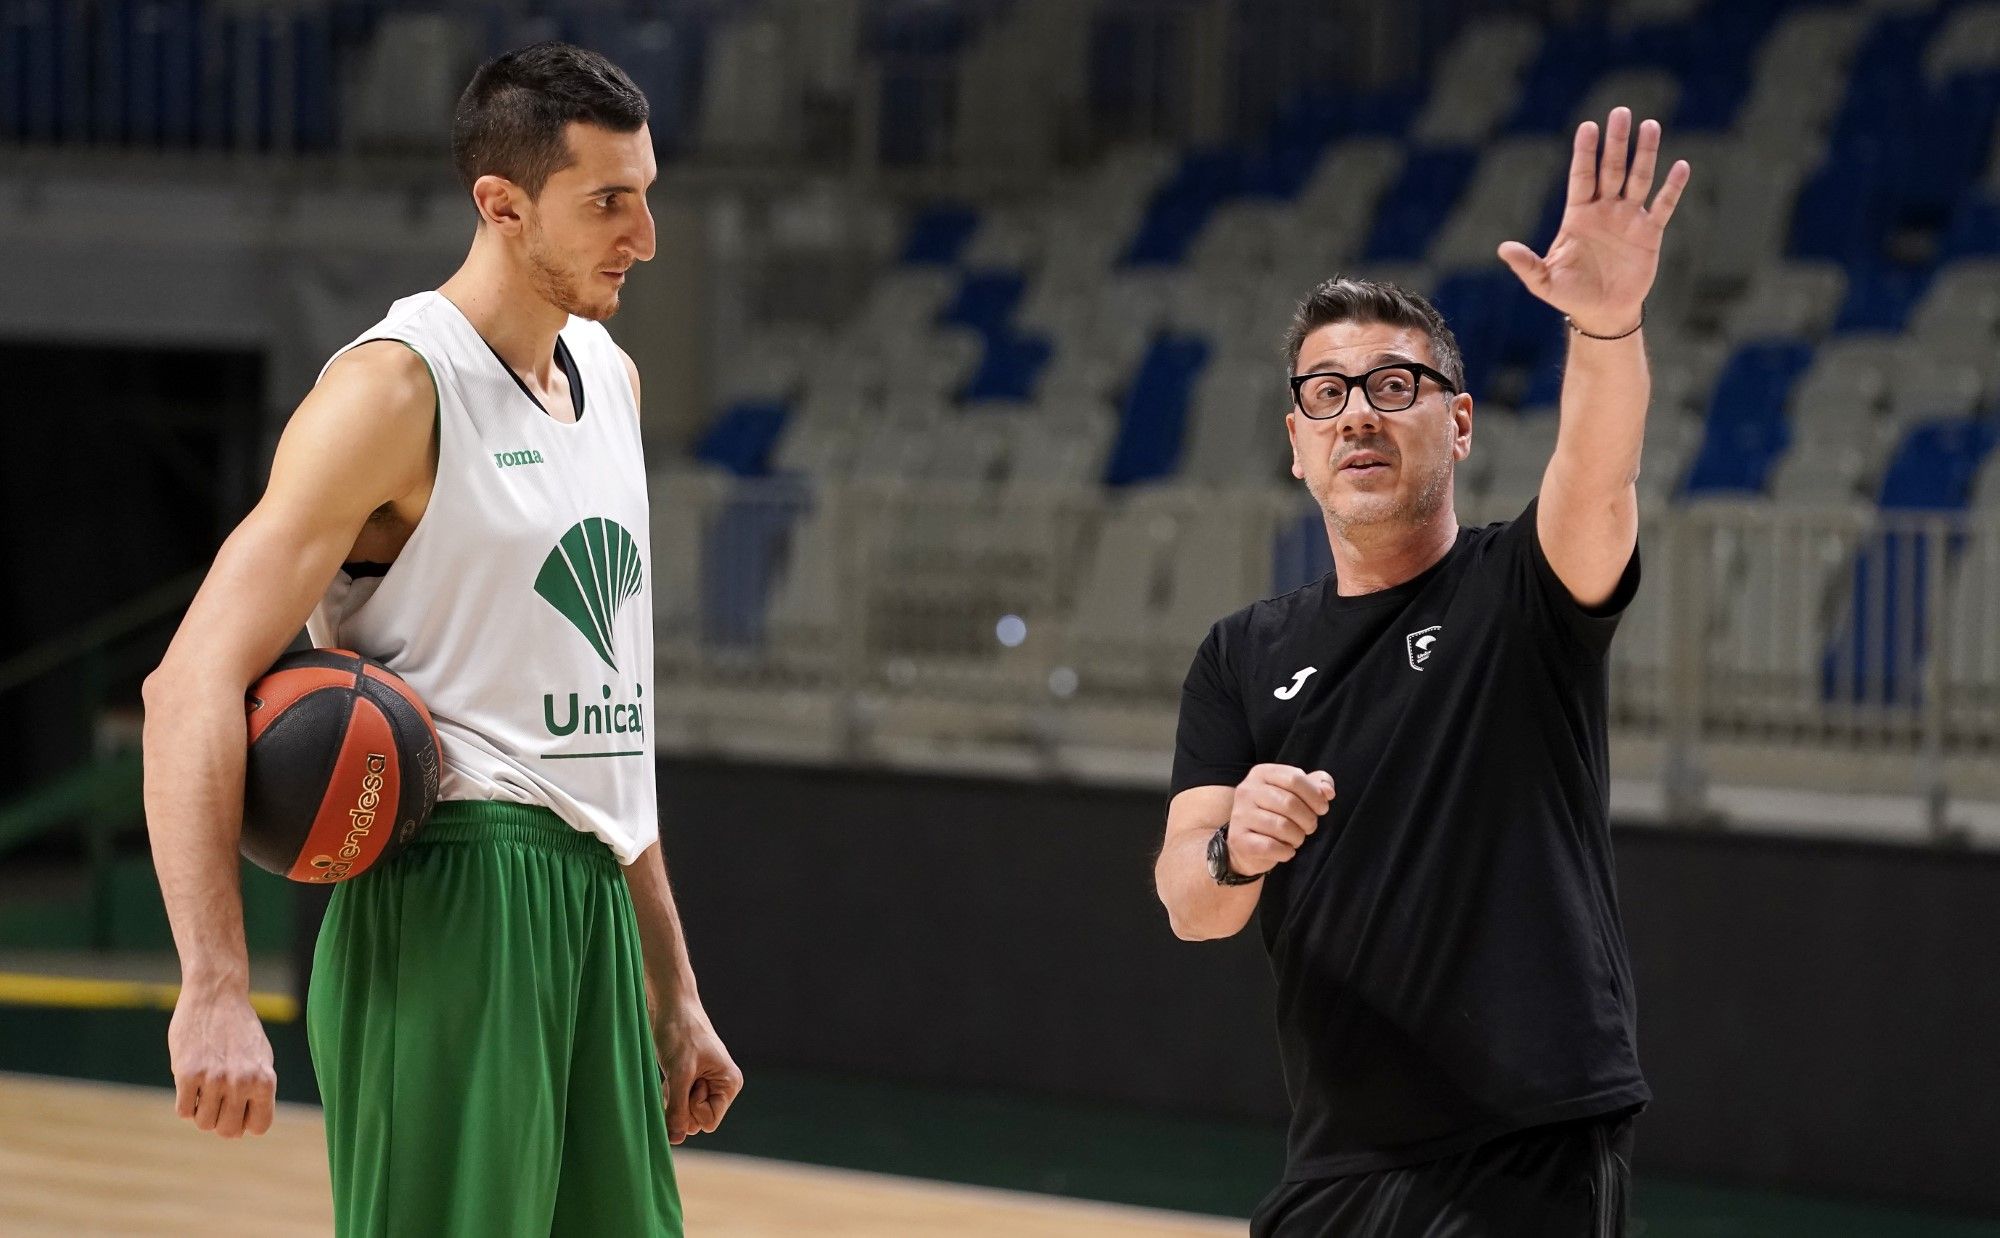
521,608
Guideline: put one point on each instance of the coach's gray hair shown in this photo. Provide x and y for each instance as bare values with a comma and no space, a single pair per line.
1342,299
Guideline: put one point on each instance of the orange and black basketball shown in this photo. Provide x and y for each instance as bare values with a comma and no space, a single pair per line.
343,766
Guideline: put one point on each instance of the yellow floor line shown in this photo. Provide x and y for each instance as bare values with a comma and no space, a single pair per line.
20,989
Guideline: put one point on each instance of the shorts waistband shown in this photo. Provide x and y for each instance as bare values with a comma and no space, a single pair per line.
497,821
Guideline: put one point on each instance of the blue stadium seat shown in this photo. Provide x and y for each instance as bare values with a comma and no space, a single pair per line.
1502,329
1153,418
985,301
1974,230
1545,374
741,439
1718,61
180,71
1841,208
1880,296
1415,207
71,121
264,87
1901,153
1877,654
939,234
1275,170
39,58
1934,466
1746,430
215,111
1112,64
742,551
916,42
1013,362
1944,147
1570,59
315,124
155,93
1010,368
1181,206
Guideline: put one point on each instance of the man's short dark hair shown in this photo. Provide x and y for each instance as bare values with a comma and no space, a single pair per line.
1342,299
511,118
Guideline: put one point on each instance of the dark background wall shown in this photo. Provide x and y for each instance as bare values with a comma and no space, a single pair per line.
1813,1015
123,468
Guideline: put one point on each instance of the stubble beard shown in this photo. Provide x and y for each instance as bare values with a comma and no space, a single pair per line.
557,286
1348,513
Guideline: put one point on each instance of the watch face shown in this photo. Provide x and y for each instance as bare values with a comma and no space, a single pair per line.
1218,854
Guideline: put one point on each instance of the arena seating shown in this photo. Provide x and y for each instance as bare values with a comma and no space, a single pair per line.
1824,330
1083,384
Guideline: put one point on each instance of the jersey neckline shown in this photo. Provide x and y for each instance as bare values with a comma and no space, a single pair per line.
1333,602
563,357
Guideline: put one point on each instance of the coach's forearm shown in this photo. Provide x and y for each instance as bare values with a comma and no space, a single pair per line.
661,941
1606,388
193,747
1198,908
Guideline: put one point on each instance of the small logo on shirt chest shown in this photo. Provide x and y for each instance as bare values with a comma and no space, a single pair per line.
508,459
1291,689
1418,645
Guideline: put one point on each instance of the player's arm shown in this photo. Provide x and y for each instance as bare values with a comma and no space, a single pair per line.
1270,814
1598,271
702,1080
360,439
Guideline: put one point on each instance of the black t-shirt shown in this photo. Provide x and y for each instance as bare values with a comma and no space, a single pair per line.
1449,959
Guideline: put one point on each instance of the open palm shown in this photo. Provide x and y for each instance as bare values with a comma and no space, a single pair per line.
1602,263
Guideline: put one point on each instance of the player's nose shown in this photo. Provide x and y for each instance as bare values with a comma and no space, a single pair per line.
1359,419
644,240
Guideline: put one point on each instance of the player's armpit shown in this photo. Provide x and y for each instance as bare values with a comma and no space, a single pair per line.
361,439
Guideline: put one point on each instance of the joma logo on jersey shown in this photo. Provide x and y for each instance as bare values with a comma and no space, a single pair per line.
508,459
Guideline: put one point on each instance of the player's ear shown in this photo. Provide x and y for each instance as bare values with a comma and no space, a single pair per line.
1461,426
1292,433
498,200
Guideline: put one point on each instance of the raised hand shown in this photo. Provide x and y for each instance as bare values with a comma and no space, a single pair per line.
1602,263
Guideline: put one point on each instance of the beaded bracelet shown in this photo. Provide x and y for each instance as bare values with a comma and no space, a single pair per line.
1621,335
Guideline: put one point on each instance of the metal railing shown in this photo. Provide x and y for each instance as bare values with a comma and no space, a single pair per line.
1015,614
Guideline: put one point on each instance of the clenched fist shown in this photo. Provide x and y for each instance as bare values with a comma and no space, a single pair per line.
223,1076
1275,809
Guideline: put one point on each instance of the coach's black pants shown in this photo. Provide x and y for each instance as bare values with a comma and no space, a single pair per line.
1562,1181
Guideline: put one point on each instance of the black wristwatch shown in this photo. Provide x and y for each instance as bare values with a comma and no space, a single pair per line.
1218,860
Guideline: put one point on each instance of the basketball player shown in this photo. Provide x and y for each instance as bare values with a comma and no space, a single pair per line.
463,497
1401,770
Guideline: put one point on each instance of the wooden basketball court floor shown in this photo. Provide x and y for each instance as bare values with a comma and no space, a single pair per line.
84,1159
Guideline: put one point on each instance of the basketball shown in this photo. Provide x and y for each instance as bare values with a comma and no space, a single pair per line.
342,769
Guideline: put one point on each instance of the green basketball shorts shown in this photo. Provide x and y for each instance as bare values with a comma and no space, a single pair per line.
479,1030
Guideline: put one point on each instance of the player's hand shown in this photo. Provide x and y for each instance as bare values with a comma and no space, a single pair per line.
1276,808
1607,251
221,1058
702,1080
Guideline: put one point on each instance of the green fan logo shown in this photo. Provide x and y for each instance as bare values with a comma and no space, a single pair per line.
593,571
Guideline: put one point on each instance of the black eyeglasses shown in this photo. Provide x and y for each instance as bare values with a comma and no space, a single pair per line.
1387,388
